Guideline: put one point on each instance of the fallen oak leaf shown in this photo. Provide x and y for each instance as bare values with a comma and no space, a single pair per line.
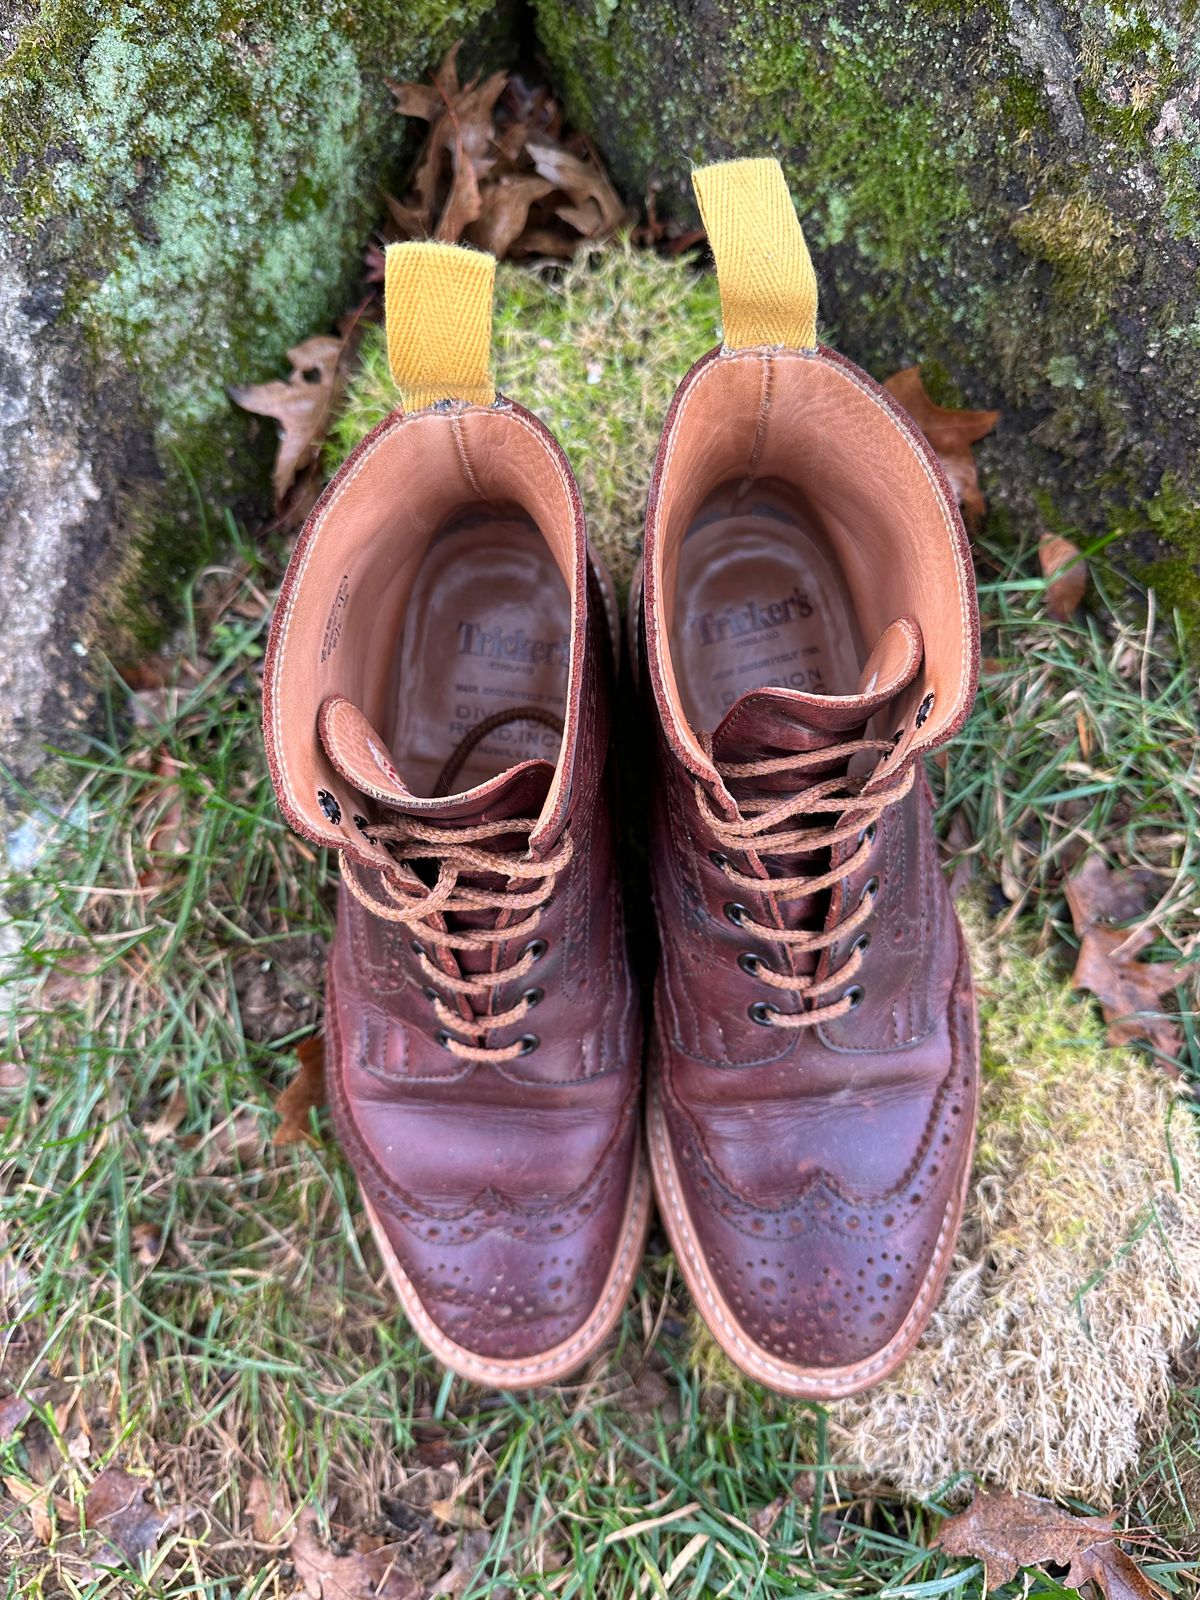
1010,1531
951,433
1067,573
507,213
596,209
301,404
118,1511
305,1093
1130,992
38,1503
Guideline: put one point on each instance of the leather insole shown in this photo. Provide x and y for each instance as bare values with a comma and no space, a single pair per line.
487,629
760,603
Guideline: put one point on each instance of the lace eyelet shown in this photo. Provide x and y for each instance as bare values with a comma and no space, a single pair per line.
855,995
867,834
431,995
442,1038
736,913
761,1011
718,860
535,949
751,963
529,1042
870,890
863,942
417,948
533,997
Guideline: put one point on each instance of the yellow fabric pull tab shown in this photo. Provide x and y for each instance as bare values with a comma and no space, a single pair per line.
438,306
768,286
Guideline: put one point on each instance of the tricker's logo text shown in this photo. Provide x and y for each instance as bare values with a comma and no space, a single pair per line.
742,622
497,645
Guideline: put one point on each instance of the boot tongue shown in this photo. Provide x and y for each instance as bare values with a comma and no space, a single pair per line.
360,755
769,723
774,722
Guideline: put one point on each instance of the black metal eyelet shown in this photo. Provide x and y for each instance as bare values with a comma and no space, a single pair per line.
718,860
443,1038
533,997
863,942
736,913
923,710
431,995
855,996
761,1011
751,963
328,804
535,949
870,890
867,834
529,1042
417,948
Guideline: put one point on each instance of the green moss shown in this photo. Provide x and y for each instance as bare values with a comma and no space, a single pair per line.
1172,517
939,158
1081,240
206,173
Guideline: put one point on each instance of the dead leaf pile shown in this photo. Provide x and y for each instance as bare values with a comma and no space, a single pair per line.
416,1564
1010,1531
1131,992
951,433
122,1520
497,171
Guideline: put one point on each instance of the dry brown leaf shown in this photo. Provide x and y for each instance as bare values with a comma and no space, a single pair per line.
595,210
1010,1531
167,1124
507,213
301,405
305,1093
13,1074
16,1409
951,433
147,1241
458,1575
37,1502
117,1509
235,1141
765,1518
270,1508
1107,964
169,836
960,842
363,1570
1067,571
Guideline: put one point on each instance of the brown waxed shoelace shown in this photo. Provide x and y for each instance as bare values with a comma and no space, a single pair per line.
423,908
752,833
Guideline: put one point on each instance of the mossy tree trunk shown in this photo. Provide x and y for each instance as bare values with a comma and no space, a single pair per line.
185,191
1008,192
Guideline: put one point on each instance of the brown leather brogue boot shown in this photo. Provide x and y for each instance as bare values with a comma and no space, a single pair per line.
808,633
437,711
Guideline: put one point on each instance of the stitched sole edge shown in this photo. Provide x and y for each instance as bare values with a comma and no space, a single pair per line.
801,1383
565,1358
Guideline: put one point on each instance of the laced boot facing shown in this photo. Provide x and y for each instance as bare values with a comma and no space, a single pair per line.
808,633
437,711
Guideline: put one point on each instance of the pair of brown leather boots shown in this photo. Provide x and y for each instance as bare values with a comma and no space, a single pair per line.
438,709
